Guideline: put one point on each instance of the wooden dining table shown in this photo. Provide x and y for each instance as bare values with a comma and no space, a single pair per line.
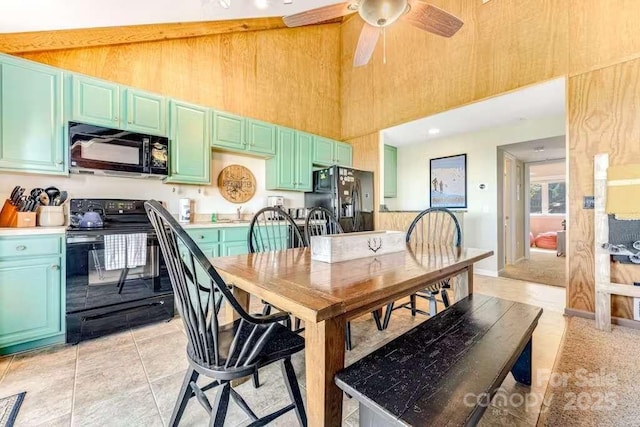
327,295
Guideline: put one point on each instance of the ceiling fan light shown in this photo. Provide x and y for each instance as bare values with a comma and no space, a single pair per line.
381,13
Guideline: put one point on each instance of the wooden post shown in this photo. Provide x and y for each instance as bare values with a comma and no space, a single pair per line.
602,272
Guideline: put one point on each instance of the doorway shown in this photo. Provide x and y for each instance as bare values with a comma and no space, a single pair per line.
534,211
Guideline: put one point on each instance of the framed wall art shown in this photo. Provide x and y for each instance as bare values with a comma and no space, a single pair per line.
448,182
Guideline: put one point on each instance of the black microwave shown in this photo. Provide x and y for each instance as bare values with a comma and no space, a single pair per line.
96,149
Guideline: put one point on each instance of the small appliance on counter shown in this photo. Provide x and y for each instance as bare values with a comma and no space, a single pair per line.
116,275
184,211
276,202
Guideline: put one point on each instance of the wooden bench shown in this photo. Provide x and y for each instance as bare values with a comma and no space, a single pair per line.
445,370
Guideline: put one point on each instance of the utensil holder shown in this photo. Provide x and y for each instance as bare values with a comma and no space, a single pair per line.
51,216
10,217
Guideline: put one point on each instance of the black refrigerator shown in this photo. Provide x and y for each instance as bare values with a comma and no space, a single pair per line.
347,193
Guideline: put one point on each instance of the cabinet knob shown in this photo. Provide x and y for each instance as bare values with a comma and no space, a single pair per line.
59,162
130,122
115,119
21,248
201,237
55,267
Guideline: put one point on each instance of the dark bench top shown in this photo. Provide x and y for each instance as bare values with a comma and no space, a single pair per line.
424,375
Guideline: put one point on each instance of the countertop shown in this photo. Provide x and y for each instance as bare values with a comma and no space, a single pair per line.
209,224
31,231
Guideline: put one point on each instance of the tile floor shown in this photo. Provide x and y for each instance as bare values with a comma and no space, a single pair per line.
133,378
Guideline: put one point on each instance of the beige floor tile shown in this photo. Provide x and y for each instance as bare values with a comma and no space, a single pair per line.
494,417
107,359
62,421
105,344
106,380
352,420
4,365
163,355
47,405
156,329
134,408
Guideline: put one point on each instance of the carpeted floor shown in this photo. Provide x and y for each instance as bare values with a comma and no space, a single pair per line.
542,267
9,407
594,380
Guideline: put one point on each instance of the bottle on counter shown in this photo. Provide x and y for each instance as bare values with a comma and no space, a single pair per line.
214,217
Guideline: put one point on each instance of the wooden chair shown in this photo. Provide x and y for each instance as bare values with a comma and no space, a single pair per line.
437,227
221,352
320,222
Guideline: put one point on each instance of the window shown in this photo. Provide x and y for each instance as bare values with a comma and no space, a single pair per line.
548,198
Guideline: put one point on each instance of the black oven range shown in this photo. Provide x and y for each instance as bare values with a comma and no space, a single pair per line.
116,276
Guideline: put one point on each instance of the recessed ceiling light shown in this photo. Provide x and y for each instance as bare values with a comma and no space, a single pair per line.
434,131
539,149
225,3
261,4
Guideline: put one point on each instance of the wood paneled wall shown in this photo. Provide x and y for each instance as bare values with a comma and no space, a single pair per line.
603,118
286,76
503,45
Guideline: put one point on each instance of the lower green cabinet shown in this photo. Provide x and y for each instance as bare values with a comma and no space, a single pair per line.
223,241
31,294
390,171
291,168
233,248
190,147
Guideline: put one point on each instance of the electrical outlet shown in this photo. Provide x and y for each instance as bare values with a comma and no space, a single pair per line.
636,309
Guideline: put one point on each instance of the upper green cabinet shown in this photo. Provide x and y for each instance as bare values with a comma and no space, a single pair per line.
31,123
146,112
327,152
390,171
291,168
190,147
236,133
102,103
95,101
343,154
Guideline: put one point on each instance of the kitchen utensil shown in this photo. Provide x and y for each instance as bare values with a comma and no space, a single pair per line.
52,192
17,196
36,192
62,197
44,198
14,193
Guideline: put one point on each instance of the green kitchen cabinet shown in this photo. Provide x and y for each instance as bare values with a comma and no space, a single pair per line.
390,171
343,153
31,292
95,101
323,151
103,103
234,241
190,148
240,134
260,137
145,112
31,121
228,131
327,152
291,168
233,248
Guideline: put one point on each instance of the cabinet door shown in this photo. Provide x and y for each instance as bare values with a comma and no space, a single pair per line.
286,159
390,171
146,112
30,300
233,248
343,154
322,151
228,131
31,125
304,154
95,101
190,149
260,137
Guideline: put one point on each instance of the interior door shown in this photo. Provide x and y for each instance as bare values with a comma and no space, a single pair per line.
506,211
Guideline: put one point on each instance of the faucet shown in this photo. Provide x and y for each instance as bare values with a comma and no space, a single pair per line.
239,211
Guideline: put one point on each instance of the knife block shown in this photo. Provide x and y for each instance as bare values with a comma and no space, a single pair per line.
10,217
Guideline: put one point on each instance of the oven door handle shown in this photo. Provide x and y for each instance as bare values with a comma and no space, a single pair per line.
122,310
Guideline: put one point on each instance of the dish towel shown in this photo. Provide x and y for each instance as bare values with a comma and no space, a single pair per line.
125,250
623,192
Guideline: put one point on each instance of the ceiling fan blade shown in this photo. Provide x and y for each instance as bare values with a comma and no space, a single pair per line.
366,45
321,14
430,18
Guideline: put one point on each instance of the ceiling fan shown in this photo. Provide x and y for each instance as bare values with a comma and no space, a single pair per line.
379,14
